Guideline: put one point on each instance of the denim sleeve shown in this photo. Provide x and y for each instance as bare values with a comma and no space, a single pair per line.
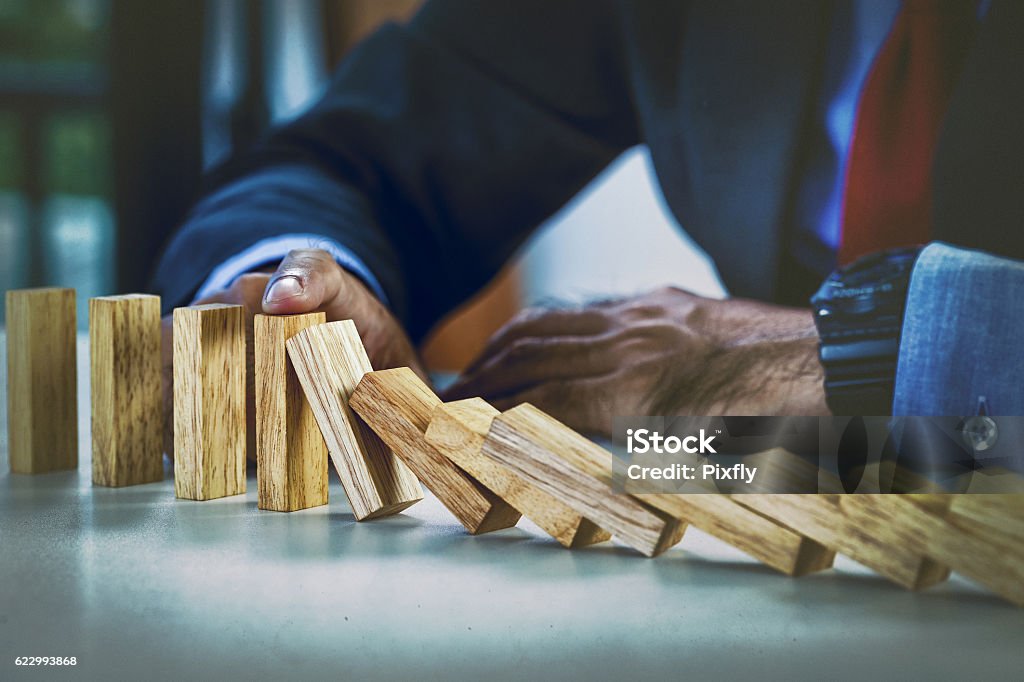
962,332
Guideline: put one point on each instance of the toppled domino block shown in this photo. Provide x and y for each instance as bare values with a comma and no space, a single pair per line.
329,360
703,505
42,394
885,545
981,541
458,429
127,398
781,471
291,456
397,405
571,468
992,512
768,541
209,401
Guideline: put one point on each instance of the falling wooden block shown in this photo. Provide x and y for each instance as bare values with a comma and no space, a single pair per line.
291,456
776,545
702,504
209,401
127,403
986,553
779,470
569,467
42,412
329,360
458,429
885,544
398,406
1000,512
994,481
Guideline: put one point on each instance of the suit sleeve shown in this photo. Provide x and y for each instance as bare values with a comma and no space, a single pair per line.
962,333
436,150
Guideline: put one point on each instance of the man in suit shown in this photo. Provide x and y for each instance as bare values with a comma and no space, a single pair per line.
787,138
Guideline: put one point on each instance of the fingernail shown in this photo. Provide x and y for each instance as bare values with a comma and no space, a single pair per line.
284,287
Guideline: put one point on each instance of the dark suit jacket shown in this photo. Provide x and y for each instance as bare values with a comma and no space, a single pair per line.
441,145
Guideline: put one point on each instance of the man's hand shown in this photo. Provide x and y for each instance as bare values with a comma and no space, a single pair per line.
663,353
307,280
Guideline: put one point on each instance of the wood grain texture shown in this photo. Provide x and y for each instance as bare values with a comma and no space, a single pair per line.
329,360
781,470
982,551
994,481
571,468
458,430
886,544
42,412
1000,512
766,540
209,401
127,403
397,405
291,456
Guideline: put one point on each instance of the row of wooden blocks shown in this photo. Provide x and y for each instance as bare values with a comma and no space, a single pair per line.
42,389
487,467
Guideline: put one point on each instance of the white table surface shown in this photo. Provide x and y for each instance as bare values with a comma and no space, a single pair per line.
137,584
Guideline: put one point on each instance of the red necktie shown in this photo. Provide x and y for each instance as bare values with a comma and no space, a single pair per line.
887,199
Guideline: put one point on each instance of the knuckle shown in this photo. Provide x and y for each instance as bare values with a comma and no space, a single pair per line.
521,349
306,260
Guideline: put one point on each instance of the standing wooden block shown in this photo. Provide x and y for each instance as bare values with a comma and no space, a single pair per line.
42,394
127,410
291,456
209,401
780,547
571,468
398,406
329,360
885,545
458,429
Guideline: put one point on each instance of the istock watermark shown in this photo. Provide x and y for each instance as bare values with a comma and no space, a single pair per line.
737,455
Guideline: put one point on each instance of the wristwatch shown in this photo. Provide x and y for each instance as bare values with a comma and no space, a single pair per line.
859,313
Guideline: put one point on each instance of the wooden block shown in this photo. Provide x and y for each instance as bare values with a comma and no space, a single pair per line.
398,406
458,429
291,456
42,393
569,467
884,545
127,402
776,545
996,481
1001,512
781,470
209,401
989,555
329,360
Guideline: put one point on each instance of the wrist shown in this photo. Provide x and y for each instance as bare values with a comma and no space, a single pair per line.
757,359
773,369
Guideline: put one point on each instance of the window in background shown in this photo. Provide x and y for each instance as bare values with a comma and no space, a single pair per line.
13,207
77,222
56,225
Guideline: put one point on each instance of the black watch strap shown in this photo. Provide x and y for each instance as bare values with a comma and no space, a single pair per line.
859,315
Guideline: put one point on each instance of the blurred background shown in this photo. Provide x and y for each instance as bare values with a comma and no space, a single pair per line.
111,109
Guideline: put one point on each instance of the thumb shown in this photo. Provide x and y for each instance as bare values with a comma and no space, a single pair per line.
305,281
